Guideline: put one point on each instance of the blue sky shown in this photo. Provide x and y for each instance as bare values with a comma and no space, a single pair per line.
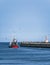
26,20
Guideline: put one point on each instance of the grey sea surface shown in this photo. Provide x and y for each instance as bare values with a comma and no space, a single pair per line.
23,55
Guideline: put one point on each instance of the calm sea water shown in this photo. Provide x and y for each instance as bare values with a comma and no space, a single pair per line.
23,55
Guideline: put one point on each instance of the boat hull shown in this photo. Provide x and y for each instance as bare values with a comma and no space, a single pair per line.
14,46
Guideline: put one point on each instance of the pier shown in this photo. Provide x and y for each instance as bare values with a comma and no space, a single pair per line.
35,44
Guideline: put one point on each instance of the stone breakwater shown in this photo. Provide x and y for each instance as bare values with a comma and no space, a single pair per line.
35,44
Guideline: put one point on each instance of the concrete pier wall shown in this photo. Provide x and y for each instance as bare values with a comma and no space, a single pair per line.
35,44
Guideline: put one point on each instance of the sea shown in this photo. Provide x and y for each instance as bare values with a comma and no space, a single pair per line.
23,55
